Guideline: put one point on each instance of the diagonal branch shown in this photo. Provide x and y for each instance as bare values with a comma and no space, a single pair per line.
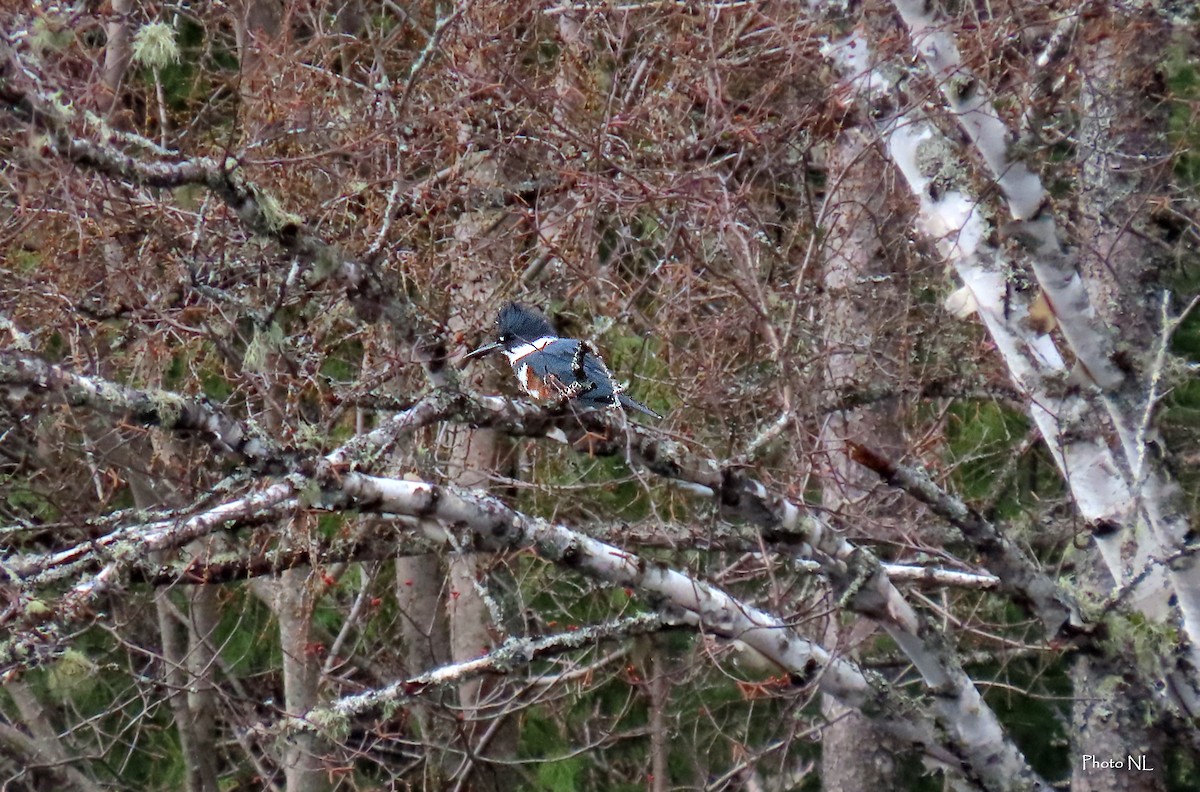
1018,574
492,525
1102,486
259,212
739,497
513,654
146,407
1055,271
40,631
972,728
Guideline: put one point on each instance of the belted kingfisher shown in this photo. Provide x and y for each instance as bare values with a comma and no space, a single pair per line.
550,368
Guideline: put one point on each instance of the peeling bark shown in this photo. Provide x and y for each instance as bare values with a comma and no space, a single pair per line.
1067,421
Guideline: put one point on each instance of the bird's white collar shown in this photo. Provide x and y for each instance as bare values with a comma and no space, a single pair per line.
516,354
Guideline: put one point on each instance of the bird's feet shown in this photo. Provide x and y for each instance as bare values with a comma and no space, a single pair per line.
590,440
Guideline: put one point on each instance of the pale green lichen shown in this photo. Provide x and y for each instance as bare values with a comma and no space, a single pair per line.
168,407
310,435
333,725
51,32
37,609
961,86
938,162
73,672
265,342
309,494
109,393
274,216
154,46
389,710
862,570
1147,644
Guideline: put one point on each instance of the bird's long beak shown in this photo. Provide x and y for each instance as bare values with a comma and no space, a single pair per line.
483,350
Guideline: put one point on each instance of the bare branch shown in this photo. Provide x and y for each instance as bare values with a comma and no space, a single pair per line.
1017,572
511,656
1054,269
170,411
259,213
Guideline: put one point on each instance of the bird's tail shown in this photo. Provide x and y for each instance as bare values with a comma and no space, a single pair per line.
630,404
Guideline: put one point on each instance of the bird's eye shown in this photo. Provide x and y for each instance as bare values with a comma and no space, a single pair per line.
503,337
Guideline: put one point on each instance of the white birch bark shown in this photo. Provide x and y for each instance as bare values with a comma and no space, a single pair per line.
477,456
300,758
952,219
1123,158
1068,297
969,725
968,100
203,618
185,678
966,722
117,52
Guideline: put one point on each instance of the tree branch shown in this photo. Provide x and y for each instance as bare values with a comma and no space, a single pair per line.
1018,574
513,654
259,212
1055,271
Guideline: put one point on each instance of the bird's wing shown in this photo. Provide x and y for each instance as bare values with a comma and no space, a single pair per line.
582,375
567,360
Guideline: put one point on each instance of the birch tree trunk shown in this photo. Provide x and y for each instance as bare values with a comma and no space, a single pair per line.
854,755
425,644
1123,156
477,457
353,172
187,666
301,755
256,26
117,52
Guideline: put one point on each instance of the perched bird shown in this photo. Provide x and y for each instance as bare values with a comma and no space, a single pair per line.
550,368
